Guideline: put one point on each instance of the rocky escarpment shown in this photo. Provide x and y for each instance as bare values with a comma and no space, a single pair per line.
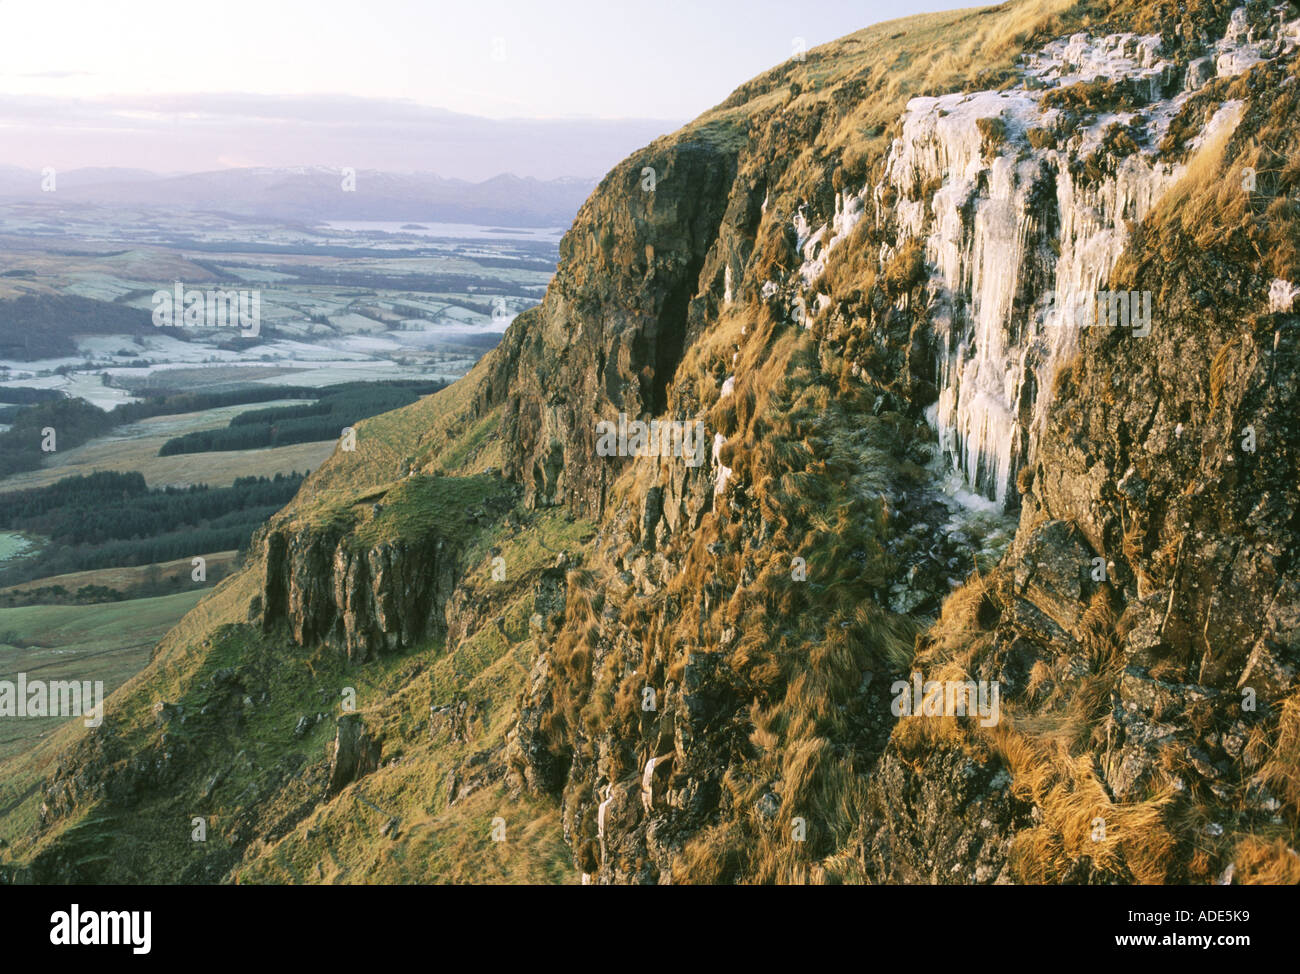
365,601
958,286
639,277
376,575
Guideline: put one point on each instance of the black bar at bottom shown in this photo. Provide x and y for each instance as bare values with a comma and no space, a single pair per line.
346,924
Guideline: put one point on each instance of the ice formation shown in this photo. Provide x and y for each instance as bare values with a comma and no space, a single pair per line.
1282,295
647,784
1013,225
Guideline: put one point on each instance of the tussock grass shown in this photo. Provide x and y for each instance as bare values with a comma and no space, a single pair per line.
1265,862
1045,742
1281,767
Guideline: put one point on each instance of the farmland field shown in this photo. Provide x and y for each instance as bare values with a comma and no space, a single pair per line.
141,453
127,576
343,303
107,642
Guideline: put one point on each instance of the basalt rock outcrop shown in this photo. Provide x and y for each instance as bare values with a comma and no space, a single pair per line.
365,600
623,307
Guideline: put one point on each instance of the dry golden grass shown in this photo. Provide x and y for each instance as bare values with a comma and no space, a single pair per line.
1079,819
1281,768
125,578
1047,749
1265,862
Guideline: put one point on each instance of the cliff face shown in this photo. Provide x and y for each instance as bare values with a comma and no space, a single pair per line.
940,450
1015,269
365,601
624,305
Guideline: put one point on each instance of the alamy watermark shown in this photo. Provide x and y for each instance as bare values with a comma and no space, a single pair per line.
947,698
53,698
656,438
183,307
77,927
1100,309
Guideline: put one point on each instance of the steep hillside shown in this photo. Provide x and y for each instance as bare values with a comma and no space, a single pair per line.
878,287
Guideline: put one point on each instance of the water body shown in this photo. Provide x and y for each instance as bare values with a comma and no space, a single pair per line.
453,231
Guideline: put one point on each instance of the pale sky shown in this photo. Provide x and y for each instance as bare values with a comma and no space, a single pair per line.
666,60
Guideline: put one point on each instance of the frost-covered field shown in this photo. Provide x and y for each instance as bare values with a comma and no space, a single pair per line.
338,303
12,545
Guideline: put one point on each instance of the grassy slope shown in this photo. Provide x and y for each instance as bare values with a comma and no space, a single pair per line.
273,776
109,642
341,840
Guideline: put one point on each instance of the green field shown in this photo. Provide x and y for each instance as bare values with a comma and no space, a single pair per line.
127,577
135,446
108,642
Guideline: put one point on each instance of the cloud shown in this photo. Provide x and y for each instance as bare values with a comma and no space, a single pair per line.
199,131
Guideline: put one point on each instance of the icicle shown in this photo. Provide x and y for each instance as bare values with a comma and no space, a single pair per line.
985,240
647,784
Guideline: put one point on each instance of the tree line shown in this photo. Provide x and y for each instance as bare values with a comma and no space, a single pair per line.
338,407
112,519
76,421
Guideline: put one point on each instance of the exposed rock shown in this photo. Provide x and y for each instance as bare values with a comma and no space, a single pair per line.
942,818
355,753
365,601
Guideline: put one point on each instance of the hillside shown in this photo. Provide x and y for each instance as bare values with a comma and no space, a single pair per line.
476,649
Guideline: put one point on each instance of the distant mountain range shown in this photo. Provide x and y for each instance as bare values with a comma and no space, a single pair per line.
310,194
